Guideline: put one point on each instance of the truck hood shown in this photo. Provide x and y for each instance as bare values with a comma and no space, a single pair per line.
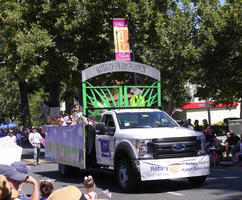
161,132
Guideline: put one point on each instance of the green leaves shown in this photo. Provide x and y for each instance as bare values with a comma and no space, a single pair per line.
220,55
50,42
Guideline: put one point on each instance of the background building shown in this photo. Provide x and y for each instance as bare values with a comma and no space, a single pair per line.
197,110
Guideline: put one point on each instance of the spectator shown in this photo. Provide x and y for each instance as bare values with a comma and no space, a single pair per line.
11,136
227,146
35,140
209,139
6,192
190,126
196,126
60,120
217,144
46,188
15,179
68,192
239,152
205,126
89,187
19,135
215,152
27,132
235,141
21,167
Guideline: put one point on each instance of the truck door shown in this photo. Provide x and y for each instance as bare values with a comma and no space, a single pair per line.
105,143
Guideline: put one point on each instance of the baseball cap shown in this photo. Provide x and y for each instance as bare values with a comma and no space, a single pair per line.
68,192
10,173
5,191
20,167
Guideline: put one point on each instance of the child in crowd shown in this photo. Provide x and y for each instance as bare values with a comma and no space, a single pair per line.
46,188
89,187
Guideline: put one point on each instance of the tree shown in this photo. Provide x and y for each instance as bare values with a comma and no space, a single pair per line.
219,39
164,39
9,96
26,43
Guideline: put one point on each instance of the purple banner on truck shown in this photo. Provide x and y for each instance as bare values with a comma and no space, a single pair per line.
65,145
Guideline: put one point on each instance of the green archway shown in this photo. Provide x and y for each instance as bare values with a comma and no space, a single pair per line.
100,98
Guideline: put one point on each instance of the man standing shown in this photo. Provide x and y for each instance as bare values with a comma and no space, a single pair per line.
35,139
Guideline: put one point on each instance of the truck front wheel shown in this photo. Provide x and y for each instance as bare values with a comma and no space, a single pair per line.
125,175
197,180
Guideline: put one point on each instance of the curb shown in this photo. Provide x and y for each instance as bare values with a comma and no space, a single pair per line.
231,164
237,165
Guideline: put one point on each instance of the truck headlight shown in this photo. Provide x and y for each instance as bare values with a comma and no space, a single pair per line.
202,140
142,149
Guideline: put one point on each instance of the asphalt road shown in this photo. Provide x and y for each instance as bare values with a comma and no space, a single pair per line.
221,184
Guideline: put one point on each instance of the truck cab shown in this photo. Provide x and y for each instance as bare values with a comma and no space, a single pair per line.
138,143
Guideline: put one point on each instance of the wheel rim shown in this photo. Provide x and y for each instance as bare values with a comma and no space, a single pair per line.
123,176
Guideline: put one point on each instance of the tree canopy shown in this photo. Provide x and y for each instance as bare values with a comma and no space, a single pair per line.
45,45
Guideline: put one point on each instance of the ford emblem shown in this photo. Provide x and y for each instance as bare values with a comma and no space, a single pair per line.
178,147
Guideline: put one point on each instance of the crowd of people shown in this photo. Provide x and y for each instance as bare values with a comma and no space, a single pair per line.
19,135
12,178
230,149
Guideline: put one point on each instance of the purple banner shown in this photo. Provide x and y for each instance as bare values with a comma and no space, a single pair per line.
65,144
121,39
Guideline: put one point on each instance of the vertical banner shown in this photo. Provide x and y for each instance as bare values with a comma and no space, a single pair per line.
121,39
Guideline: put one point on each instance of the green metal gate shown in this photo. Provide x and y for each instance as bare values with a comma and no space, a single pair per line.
97,99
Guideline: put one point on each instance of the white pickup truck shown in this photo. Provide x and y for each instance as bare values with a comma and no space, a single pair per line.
141,145
136,142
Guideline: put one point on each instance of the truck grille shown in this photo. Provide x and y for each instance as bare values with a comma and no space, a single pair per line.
174,147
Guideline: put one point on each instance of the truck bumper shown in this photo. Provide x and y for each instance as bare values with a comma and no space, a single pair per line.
173,168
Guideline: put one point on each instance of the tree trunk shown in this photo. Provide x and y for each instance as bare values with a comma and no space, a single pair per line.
54,91
24,104
170,107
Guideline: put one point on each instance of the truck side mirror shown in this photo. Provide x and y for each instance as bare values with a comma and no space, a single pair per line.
100,129
111,131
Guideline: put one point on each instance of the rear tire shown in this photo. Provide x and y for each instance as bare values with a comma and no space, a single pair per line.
197,180
126,176
68,171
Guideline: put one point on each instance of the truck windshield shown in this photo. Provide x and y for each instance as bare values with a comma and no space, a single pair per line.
144,119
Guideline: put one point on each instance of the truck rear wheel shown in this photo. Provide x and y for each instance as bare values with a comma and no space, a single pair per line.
125,175
64,170
68,171
197,180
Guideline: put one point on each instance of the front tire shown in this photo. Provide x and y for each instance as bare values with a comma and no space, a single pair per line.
126,176
197,180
